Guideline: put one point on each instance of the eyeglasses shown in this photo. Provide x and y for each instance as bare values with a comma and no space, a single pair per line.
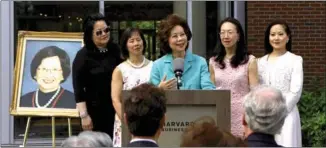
49,70
223,34
100,32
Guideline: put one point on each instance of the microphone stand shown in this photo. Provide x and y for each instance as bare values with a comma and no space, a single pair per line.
178,74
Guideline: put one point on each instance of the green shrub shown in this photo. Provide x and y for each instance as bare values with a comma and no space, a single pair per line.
312,107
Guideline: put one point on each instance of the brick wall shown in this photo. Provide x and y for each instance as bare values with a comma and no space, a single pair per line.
307,21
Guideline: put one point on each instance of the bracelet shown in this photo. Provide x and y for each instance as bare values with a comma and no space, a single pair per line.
83,114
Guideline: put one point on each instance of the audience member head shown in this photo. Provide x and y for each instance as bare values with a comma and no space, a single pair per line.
265,111
145,109
278,37
174,34
88,139
75,141
205,133
231,38
132,42
101,139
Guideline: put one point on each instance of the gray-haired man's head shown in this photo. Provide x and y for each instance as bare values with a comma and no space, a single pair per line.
88,139
265,110
101,139
75,141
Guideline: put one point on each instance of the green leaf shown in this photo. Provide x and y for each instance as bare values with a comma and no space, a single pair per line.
312,108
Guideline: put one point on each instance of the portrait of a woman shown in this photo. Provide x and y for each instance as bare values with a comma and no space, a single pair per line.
49,68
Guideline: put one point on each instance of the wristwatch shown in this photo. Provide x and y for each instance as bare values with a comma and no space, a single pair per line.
83,114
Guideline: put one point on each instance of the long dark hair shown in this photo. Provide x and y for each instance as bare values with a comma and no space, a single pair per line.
241,54
88,28
267,45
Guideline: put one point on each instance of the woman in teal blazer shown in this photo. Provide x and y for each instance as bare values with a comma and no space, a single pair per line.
174,35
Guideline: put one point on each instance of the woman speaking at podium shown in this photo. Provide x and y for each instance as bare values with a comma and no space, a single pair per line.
174,35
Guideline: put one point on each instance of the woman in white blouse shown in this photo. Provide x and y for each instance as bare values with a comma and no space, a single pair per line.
283,70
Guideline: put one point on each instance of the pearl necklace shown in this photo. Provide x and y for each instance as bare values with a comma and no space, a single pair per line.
137,66
49,102
103,50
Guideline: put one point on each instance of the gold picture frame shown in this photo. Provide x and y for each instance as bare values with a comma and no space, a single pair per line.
34,76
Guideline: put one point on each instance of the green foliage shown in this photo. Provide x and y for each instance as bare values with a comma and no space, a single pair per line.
312,107
138,24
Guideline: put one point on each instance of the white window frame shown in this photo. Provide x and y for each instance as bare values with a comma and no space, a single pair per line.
7,70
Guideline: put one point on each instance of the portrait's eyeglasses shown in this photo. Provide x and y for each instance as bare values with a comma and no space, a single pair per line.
50,70
100,32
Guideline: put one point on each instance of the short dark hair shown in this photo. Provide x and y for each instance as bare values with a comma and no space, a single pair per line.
88,27
145,107
51,51
268,46
125,37
241,54
165,28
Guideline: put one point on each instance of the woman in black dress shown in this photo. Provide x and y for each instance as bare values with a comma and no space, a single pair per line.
92,73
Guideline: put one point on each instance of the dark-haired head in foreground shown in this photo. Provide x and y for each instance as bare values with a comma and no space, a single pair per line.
205,133
145,109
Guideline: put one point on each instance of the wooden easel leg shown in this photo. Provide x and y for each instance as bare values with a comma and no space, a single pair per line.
69,126
53,131
26,130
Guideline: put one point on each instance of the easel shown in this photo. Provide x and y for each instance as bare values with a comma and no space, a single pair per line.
53,129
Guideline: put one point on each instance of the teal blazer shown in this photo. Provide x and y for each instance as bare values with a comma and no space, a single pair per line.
195,73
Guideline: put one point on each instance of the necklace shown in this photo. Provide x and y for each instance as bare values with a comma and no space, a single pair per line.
103,50
137,66
49,102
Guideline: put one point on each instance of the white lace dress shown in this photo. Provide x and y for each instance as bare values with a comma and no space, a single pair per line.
285,74
131,77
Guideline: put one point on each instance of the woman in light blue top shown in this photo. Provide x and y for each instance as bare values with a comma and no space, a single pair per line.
174,35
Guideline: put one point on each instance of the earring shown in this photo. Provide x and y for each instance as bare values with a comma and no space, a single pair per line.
287,41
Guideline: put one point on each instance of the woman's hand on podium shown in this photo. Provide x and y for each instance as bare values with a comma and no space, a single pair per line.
168,84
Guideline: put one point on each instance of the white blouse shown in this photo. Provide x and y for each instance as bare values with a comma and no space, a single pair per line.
286,74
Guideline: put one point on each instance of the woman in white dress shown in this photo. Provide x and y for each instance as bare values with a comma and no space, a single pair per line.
283,70
133,72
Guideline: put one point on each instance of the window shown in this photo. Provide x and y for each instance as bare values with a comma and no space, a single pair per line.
62,16
211,27
144,15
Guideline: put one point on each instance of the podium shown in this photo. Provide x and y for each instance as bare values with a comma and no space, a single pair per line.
185,106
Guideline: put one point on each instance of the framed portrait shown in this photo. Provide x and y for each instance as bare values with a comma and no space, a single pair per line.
43,74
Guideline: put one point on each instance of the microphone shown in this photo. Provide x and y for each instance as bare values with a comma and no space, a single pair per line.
178,65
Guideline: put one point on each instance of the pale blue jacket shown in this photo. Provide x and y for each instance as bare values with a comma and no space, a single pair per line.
195,73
